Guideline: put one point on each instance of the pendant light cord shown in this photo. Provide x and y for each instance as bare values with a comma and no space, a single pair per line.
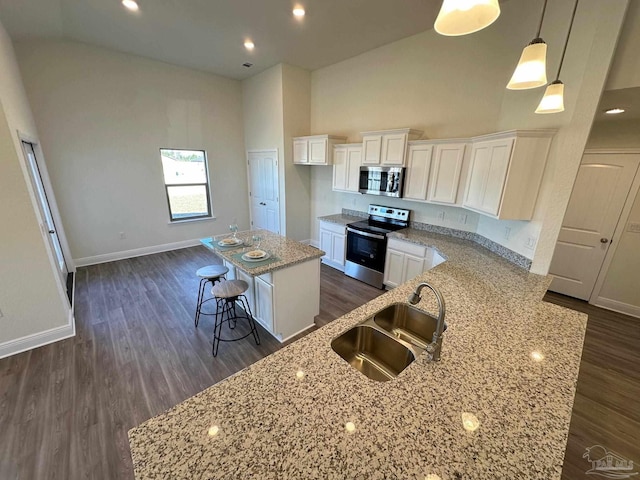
573,16
544,8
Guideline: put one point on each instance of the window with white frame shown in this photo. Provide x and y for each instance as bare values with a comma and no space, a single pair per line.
186,181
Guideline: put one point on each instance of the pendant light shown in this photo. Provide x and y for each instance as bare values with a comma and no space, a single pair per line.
461,17
553,99
531,71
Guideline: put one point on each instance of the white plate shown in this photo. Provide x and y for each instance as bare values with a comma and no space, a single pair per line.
260,259
229,242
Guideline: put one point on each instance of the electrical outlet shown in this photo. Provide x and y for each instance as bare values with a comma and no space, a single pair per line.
530,243
634,227
441,215
462,218
123,235
507,233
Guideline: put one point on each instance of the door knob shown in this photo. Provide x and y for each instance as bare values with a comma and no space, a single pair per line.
52,232
604,240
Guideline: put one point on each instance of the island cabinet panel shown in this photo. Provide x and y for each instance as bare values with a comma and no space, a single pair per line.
387,147
251,292
315,149
417,174
505,173
405,261
447,166
263,312
333,241
346,167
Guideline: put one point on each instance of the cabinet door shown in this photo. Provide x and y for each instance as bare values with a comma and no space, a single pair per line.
445,174
354,160
318,151
393,268
250,293
338,244
231,274
393,149
300,151
326,243
264,303
496,176
371,145
412,267
418,165
477,181
340,169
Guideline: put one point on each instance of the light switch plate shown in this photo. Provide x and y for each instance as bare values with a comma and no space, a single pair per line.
507,233
530,243
462,218
441,214
633,227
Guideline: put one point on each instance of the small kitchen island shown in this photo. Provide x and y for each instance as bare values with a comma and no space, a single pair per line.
508,358
282,303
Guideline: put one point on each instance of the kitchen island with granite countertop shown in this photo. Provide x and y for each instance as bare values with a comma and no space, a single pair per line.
508,358
279,301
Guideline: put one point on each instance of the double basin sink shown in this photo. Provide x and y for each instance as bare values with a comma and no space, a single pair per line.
387,342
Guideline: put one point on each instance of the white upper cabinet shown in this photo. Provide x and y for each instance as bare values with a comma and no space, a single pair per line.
417,174
346,167
505,173
448,160
315,149
387,147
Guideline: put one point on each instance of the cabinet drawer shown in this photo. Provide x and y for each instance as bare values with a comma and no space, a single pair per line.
407,247
333,227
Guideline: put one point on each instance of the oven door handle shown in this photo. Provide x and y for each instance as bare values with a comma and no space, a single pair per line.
365,234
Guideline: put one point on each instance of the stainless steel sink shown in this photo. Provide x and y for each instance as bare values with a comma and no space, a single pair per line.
372,352
407,323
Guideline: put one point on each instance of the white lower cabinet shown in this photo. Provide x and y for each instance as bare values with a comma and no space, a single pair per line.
405,261
333,241
264,303
250,293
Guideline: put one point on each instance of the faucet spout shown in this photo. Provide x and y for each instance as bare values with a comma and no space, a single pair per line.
436,340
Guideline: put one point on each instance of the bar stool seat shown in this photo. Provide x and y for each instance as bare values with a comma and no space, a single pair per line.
227,294
209,274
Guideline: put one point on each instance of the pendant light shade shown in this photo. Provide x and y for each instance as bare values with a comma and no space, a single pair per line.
531,71
553,99
461,17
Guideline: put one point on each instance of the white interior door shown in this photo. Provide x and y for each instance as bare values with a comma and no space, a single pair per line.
263,190
49,226
598,197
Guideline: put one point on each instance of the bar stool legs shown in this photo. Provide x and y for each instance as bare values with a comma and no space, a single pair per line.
209,274
227,306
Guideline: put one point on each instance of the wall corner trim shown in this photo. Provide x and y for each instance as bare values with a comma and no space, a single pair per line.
39,339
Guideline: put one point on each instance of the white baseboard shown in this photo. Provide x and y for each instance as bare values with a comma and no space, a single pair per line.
137,252
616,306
40,339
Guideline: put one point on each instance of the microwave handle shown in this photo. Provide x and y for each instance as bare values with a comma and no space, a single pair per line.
365,234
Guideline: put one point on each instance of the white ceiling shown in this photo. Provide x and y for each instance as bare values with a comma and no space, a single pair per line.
626,98
209,34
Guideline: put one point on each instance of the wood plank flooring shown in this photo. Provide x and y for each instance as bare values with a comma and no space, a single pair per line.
65,408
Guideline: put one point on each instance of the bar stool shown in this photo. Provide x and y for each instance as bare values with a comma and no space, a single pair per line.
209,274
226,295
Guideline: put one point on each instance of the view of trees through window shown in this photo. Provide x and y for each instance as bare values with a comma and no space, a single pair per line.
186,183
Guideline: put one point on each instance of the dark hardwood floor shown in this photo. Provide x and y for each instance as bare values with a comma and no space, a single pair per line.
65,408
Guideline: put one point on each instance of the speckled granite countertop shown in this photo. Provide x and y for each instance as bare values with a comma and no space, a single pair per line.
288,251
267,423
340,218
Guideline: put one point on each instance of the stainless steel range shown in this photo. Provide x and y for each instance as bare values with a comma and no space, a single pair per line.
367,243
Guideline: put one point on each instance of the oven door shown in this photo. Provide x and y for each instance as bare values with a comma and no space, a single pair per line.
366,249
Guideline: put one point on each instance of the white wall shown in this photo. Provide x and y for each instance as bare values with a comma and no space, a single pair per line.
276,106
102,117
625,70
455,87
31,297
615,134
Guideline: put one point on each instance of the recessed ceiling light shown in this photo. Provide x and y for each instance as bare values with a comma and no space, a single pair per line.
249,45
298,12
131,5
614,111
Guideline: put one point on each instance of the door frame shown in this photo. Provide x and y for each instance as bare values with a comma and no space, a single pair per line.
51,199
280,216
622,220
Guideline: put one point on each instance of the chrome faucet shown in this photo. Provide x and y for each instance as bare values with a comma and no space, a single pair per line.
436,340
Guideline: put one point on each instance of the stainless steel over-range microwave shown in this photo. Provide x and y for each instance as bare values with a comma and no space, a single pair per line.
386,181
